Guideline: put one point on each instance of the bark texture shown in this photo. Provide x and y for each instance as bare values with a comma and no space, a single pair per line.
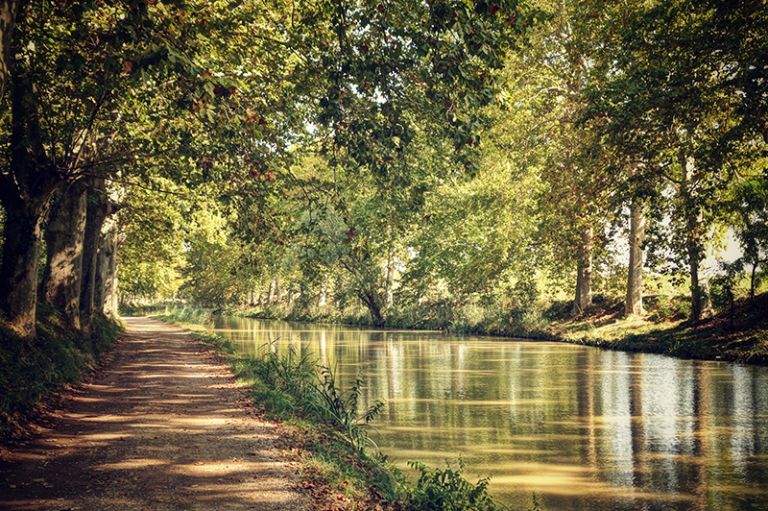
64,262
373,304
583,298
106,269
18,275
697,298
389,278
693,246
634,301
96,212
9,9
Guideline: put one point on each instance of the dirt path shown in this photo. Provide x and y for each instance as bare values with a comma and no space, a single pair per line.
163,427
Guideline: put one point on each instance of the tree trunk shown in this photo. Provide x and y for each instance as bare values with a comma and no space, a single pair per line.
696,292
634,302
9,10
96,213
370,300
752,281
583,296
694,251
25,192
18,274
390,276
273,295
64,243
106,270
693,248
322,300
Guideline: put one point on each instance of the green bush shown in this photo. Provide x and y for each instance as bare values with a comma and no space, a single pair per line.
447,490
668,308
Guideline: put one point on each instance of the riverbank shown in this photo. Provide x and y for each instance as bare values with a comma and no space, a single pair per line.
343,469
32,370
740,335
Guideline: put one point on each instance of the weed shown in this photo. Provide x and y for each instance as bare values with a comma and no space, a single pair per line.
447,490
342,409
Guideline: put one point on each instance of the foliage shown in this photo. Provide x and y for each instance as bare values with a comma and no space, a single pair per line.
185,314
749,207
446,490
342,408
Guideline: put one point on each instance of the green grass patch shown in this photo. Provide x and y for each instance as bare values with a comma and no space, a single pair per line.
739,335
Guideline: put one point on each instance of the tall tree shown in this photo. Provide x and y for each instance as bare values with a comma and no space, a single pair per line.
672,92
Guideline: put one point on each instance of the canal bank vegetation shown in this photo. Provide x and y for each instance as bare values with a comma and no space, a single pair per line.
344,468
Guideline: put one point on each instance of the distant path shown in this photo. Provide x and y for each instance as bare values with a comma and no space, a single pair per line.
163,427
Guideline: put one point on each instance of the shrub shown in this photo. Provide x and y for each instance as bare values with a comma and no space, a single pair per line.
342,409
447,490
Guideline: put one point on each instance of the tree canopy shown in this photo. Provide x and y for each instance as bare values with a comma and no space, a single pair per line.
443,163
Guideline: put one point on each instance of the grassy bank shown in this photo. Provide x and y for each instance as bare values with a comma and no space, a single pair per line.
344,468
739,335
32,370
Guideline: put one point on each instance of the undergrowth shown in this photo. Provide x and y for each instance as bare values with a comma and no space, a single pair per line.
32,369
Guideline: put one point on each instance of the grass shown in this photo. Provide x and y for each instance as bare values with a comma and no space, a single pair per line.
345,469
32,370
740,335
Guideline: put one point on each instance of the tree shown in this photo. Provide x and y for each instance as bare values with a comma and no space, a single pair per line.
665,99
749,205
62,84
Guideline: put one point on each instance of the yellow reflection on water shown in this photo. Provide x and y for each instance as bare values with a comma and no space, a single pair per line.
582,428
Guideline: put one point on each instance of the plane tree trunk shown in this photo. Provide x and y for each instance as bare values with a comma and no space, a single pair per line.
106,269
583,298
64,243
25,192
373,304
634,302
96,213
694,251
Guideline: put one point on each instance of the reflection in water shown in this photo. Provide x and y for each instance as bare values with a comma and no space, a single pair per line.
580,427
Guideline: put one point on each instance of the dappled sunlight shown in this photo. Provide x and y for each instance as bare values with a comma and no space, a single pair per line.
221,468
131,464
147,425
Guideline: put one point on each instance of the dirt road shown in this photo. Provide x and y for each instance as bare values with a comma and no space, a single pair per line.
162,427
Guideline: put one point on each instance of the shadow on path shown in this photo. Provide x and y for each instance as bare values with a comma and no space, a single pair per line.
164,427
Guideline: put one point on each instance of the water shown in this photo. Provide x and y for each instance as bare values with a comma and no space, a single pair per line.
582,428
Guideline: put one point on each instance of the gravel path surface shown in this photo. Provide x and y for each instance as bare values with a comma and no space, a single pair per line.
163,426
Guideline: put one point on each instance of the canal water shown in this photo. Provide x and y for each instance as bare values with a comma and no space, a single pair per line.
578,427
